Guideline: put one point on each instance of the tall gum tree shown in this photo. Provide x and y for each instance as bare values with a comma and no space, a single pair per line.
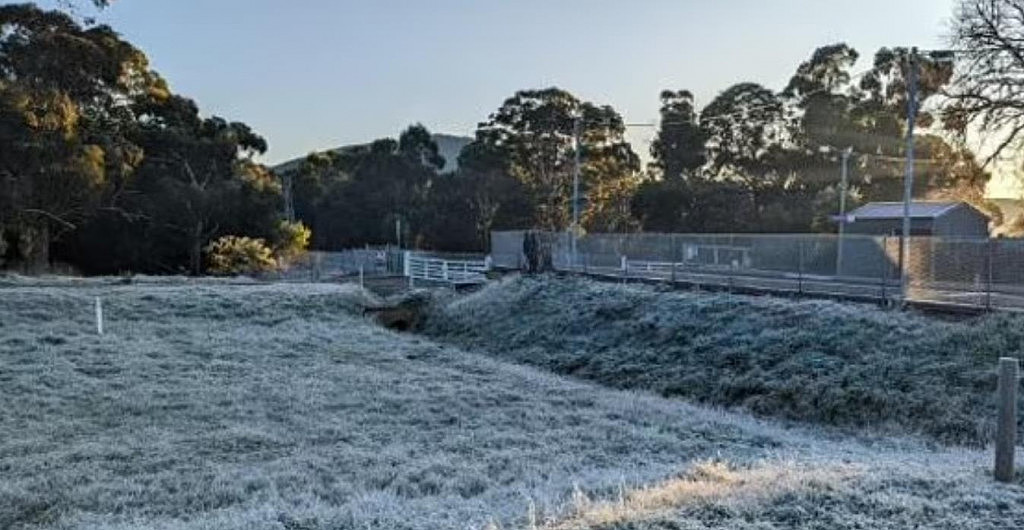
534,131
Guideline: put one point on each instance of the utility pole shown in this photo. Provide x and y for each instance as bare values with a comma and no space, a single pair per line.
842,207
289,201
576,133
908,179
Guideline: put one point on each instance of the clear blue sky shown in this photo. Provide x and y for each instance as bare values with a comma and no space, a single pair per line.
312,74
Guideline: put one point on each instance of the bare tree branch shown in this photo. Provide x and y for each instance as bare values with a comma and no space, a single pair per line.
988,92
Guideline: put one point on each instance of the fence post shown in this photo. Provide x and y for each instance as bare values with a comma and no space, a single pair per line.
444,270
673,257
625,268
885,267
1006,431
988,282
488,263
361,283
800,266
676,258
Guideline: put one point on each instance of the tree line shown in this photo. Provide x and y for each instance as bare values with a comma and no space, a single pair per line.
105,168
752,160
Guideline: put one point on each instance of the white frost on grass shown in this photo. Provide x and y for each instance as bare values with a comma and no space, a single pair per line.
8,279
853,366
278,406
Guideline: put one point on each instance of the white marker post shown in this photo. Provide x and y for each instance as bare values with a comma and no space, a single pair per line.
99,316
407,266
361,285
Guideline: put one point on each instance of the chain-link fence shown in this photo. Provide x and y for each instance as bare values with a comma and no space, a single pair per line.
343,265
971,272
977,272
382,268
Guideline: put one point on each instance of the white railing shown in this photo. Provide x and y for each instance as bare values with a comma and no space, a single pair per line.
448,271
649,268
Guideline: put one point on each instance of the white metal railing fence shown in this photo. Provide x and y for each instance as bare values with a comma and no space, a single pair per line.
447,271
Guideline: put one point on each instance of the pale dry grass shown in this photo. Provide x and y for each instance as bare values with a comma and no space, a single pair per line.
708,482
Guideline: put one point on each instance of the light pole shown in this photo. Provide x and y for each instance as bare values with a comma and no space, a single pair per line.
934,56
908,179
576,133
289,201
842,207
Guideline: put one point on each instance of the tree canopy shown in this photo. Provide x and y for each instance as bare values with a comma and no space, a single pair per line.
775,156
532,136
107,168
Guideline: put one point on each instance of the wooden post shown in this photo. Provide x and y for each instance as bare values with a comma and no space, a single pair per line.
1006,430
99,316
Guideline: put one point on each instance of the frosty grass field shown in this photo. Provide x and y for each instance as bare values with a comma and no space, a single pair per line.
219,405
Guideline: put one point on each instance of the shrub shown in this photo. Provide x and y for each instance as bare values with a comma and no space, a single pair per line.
290,241
239,255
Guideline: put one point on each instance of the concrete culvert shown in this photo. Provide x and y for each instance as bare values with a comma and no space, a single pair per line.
401,314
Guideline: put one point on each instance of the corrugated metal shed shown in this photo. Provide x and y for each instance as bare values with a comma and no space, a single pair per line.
894,210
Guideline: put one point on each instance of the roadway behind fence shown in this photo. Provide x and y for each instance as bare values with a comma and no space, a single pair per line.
968,272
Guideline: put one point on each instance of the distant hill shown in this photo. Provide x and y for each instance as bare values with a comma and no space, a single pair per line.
448,145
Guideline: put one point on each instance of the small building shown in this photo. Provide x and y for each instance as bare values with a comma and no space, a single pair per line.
953,225
946,219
